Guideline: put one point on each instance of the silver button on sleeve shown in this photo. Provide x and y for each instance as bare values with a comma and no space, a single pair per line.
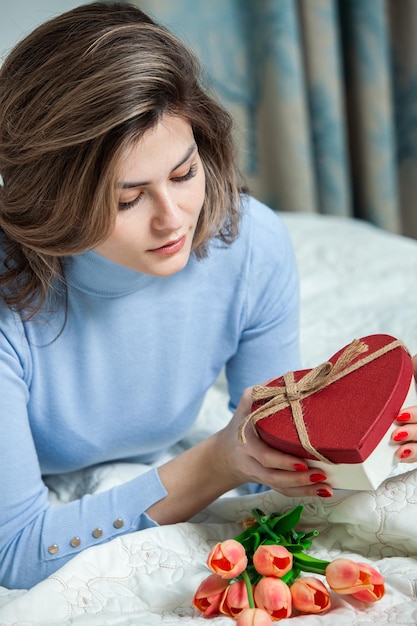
75,542
118,523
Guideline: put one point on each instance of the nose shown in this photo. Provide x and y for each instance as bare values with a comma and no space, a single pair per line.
167,215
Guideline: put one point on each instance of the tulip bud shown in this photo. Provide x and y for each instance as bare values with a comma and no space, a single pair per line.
272,560
235,599
228,559
209,595
347,577
377,589
273,595
254,617
310,595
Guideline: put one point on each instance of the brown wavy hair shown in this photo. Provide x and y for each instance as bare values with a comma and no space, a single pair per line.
74,94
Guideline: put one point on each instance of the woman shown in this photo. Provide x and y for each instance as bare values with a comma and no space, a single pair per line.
133,271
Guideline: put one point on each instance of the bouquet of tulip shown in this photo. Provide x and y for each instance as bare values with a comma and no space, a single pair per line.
257,578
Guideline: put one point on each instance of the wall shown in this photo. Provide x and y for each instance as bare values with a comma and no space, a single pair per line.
19,17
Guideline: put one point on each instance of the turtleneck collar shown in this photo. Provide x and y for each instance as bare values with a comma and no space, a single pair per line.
92,273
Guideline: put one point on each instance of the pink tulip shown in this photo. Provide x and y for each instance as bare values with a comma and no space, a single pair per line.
272,560
227,559
309,595
209,595
377,589
254,617
235,599
273,595
348,577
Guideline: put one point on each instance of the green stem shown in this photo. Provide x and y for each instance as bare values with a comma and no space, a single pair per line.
313,533
265,526
248,584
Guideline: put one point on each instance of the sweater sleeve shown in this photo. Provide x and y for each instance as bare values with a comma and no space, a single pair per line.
35,537
269,336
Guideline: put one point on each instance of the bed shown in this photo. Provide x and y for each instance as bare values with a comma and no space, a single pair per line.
355,280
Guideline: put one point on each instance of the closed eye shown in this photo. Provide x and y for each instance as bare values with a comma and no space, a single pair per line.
190,174
124,206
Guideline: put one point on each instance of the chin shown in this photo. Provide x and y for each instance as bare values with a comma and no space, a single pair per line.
169,266
170,271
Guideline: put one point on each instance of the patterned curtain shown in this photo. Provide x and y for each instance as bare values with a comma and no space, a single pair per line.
324,95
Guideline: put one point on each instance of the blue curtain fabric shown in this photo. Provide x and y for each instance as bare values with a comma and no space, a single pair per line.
324,95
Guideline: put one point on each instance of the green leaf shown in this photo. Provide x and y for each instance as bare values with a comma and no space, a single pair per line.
291,576
294,547
286,522
247,533
257,540
309,563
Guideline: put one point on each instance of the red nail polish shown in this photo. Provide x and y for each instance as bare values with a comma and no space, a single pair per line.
323,493
406,453
404,417
317,478
401,436
299,467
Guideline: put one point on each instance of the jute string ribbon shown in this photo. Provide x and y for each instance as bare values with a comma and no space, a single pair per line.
293,392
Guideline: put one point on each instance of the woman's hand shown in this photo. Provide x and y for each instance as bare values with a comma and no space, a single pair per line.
405,435
222,462
255,461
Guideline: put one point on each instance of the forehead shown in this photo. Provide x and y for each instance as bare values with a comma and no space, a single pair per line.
161,147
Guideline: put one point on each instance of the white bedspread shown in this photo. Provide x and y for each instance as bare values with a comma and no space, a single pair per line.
355,281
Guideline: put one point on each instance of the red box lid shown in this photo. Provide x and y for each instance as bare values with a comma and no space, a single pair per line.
347,419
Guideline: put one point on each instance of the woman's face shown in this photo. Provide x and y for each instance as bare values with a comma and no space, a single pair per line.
162,190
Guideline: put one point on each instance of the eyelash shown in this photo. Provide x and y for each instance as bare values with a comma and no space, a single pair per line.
124,206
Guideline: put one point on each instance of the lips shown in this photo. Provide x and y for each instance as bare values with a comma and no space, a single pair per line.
171,247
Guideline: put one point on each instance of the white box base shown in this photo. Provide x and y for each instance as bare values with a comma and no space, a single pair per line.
376,468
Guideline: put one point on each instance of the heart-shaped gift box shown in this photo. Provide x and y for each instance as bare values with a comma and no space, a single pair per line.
339,415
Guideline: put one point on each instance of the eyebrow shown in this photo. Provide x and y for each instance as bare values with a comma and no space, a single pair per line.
187,155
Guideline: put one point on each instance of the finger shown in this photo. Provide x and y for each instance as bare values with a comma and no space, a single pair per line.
270,458
314,489
310,482
408,414
405,433
284,472
322,491
407,453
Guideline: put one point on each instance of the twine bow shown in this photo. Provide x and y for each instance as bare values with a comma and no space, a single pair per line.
293,392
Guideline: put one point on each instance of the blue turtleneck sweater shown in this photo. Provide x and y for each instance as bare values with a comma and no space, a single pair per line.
117,368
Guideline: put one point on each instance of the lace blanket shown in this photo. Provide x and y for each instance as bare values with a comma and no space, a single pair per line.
355,280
